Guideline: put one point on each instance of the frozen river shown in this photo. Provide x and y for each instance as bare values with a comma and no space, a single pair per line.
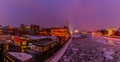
98,49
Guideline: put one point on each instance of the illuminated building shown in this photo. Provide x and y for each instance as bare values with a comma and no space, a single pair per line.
96,33
111,31
60,32
44,32
1,31
102,32
29,30
24,29
42,43
55,31
10,30
19,42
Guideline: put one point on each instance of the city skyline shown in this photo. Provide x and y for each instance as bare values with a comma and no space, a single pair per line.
82,14
59,30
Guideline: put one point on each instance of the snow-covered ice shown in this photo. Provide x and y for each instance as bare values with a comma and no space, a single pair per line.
92,50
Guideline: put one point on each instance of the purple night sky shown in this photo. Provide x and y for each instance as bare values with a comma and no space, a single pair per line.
82,14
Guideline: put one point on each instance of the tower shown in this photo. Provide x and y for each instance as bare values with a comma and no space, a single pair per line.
67,24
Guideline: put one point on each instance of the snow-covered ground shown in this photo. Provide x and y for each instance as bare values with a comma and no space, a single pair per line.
101,49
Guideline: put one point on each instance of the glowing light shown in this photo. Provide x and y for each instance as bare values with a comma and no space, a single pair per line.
71,32
76,31
110,31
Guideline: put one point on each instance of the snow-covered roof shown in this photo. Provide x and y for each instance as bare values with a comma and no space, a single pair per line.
41,37
20,56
